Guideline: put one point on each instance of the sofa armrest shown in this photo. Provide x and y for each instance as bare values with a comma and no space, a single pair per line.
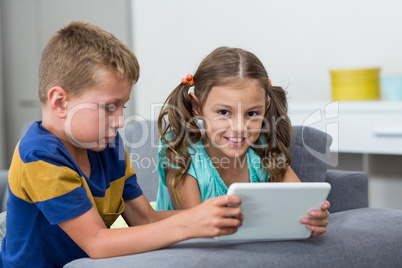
3,189
349,190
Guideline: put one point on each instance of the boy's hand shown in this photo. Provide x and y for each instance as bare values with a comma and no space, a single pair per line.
213,217
319,221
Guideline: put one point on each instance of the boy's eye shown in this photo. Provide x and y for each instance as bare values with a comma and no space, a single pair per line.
223,112
110,107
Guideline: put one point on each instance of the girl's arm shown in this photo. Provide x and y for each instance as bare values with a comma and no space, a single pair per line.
189,192
290,176
212,218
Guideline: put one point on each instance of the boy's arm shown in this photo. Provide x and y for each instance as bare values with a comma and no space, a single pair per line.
138,211
211,218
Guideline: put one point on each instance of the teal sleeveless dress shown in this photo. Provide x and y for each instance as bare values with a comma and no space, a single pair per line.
203,170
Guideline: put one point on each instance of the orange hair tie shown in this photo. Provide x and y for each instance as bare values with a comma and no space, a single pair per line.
269,82
188,79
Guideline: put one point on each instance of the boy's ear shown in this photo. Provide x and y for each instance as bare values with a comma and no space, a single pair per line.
195,104
57,100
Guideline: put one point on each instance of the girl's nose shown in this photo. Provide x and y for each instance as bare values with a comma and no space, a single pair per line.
238,125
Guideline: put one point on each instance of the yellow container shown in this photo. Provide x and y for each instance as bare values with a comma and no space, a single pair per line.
356,84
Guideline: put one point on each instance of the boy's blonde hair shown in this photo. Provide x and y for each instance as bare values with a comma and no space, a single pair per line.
75,54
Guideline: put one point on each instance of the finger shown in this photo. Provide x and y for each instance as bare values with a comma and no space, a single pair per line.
315,222
227,231
232,212
314,234
225,200
229,222
315,231
319,222
326,205
319,214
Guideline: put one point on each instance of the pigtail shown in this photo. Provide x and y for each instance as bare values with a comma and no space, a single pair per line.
178,131
276,132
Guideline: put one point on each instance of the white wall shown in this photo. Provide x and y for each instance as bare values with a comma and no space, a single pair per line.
298,41
3,155
27,26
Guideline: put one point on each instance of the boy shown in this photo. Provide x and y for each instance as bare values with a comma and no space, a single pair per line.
67,184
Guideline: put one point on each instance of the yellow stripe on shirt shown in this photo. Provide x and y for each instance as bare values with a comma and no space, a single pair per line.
40,181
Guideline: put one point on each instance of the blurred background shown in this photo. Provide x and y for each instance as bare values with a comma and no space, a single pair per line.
299,42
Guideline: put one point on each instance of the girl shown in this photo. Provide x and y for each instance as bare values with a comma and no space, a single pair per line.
233,128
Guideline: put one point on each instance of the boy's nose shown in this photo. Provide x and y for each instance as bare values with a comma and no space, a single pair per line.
117,121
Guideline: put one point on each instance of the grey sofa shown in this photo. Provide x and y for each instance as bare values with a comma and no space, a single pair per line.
357,236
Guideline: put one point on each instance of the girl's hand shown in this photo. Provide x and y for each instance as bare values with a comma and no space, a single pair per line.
319,221
213,217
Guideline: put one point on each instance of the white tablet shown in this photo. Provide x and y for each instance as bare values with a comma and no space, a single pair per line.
272,211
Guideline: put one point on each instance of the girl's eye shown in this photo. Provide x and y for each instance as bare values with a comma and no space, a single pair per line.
252,114
223,112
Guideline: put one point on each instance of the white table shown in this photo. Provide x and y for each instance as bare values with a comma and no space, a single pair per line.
356,127
367,136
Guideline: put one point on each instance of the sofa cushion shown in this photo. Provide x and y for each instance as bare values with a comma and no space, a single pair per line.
310,153
364,237
141,141
349,190
3,217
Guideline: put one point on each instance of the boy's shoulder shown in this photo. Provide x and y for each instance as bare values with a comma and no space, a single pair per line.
38,140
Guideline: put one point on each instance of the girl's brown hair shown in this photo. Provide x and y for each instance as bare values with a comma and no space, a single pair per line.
224,66
74,56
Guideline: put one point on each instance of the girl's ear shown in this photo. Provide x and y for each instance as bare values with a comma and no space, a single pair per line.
195,104
268,101
57,100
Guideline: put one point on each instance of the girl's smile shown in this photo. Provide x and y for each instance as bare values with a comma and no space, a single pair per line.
235,141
